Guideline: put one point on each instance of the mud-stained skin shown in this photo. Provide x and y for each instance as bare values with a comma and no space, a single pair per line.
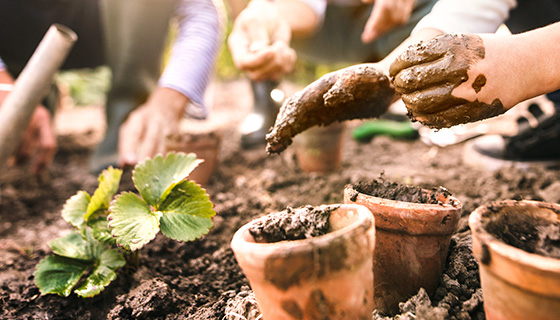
427,73
478,83
357,92
292,308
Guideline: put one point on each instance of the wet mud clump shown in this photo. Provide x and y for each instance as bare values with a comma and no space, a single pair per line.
293,224
527,232
356,92
382,188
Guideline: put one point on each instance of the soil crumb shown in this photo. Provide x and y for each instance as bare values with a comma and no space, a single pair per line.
527,232
243,306
293,224
382,188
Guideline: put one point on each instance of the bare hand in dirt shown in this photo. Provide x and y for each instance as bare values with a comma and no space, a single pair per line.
386,15
144,132
357,92
441,81
38,145
259,42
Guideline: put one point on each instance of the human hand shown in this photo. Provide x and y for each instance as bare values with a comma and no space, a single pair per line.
259,42
356,92
386,15
144,132
441,81
38,145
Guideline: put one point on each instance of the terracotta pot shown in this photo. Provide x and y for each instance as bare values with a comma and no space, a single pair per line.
319,149
516,284
324,277
206,146
412,240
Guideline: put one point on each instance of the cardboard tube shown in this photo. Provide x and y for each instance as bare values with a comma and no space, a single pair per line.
31,87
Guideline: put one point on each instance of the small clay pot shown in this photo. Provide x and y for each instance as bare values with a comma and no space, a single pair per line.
412,240
319,149
206,146
324,277
515,284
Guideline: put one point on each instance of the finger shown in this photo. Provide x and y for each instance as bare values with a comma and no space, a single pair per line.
422,52
254,61
130,135
376,24
460,114
419,77
282,63
432,100
148,147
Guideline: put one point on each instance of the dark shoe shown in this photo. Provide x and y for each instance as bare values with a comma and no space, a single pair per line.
539,145
262,118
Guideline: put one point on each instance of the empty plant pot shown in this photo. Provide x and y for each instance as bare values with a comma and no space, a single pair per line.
319,149
517,246
412,240
323,276
206,146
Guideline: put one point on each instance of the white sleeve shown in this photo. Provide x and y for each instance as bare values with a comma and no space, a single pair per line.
193,54
318,6
461,16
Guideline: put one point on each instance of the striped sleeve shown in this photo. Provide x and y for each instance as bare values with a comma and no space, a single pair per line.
2,65
193,54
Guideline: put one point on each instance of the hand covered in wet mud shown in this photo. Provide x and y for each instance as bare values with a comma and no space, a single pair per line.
386,15
144,132
259,42
357,92
451,80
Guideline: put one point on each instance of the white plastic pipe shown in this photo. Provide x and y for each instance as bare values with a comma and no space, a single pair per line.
31,87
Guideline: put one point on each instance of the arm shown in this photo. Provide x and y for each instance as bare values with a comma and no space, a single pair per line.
183,83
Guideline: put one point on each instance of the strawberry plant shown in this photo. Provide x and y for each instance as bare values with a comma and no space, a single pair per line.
110,228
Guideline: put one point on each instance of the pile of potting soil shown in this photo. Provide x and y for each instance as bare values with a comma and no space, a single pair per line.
292,224
381,188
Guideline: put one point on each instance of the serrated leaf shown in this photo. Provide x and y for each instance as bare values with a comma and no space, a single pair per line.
187,212
73,245
75,208
56,274
101,231
108,186
155,178
132,221
102,276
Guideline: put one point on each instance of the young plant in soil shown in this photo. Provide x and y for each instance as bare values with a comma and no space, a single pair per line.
110,228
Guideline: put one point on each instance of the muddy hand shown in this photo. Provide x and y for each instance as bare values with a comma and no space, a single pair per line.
427,73
357,92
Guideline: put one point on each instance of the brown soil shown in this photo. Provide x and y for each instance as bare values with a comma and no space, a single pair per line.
200,279
292,224
391,190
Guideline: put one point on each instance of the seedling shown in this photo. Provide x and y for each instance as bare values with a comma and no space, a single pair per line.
110,228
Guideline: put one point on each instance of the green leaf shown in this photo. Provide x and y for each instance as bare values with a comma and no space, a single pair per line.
155,178
72,246
187,212
75,208
101,231
132,221
108,186
56,274
102,276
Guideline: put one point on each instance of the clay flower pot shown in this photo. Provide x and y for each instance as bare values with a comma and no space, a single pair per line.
412,240
206,146
517,284
324,277
319,149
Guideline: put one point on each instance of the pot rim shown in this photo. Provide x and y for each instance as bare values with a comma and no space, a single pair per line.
241,239
492,253
410,217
